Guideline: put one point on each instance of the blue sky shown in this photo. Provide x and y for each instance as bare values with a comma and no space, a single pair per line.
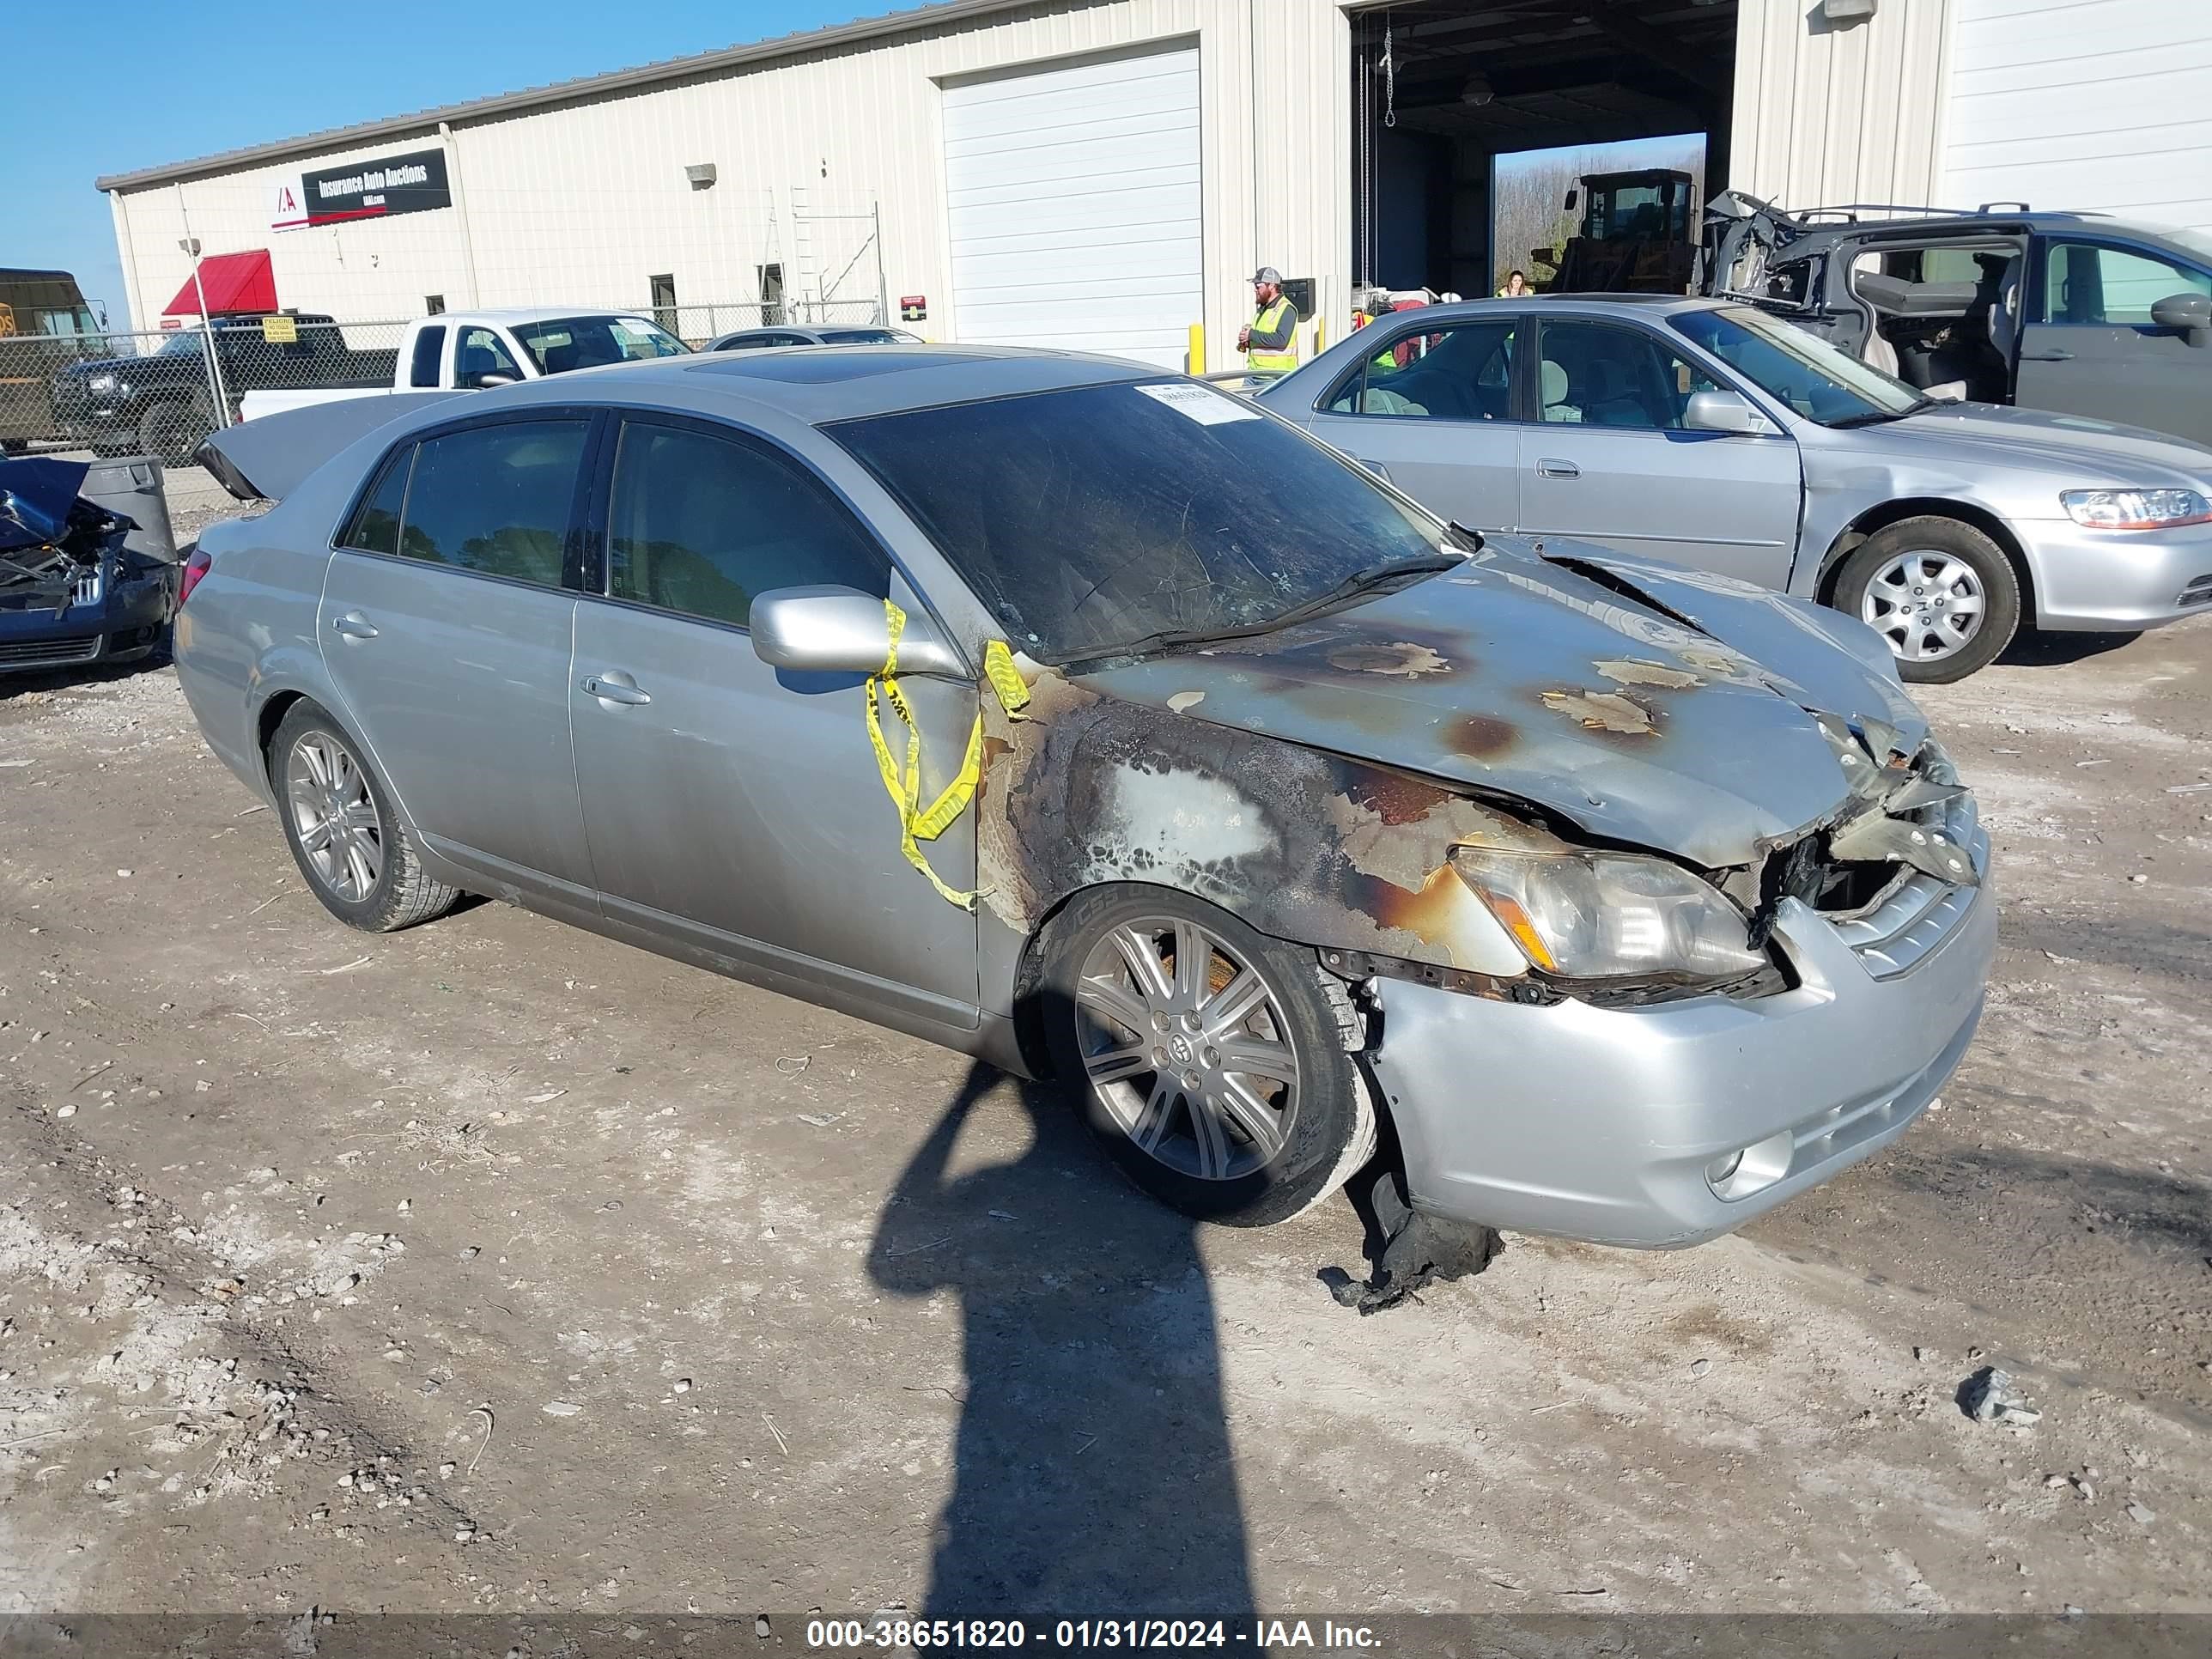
129,84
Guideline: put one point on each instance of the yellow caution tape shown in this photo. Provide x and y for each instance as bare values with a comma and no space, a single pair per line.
918,824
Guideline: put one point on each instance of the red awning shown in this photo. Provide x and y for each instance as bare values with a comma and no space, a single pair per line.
234,283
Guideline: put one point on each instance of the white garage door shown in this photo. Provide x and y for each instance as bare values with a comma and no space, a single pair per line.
1073,198
2104,106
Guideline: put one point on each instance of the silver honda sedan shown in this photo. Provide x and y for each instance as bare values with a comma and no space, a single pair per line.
1722,437
1093,721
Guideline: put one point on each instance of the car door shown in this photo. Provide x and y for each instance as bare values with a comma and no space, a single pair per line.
1432,411
2089,345
1610,461
481,356
732,806
445,630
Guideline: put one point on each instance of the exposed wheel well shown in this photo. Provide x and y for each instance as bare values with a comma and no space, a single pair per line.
1920,507
271,717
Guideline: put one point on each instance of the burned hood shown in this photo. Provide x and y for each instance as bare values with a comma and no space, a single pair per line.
1641,716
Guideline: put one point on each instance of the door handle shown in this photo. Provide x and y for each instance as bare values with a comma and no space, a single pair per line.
614,692
354,626
1551,467
2052,357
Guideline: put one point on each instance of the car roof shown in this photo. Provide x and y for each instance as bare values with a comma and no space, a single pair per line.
822,384
1634,305
1994,219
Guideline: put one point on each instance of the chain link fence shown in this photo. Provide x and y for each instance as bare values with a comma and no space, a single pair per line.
160,393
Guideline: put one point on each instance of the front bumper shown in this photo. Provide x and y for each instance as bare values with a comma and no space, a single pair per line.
2090,580
125,621
1600,1123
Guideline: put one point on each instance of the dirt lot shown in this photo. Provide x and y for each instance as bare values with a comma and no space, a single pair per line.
491,1266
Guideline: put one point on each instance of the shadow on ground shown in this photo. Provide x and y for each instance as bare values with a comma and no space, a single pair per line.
1093,1461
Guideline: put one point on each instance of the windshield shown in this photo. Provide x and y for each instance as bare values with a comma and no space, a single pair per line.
867,337
181,341
1821,382
568,342
1100,516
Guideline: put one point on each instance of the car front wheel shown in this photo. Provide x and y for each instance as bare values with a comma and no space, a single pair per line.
1941,593
358,858
1212,1062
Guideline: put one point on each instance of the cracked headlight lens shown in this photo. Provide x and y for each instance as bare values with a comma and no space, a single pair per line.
1611,915
2134,509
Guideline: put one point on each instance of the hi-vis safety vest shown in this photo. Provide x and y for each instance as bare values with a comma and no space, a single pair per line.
1266,322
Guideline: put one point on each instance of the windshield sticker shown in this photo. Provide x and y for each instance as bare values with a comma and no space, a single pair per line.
1198,403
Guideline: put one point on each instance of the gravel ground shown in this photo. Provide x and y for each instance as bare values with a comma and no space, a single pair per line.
496,1266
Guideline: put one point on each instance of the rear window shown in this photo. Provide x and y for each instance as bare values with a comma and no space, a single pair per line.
422,371
1095,517
495,500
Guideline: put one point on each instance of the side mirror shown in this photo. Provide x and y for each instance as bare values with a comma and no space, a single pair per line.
842,631
486,382
1726,411
1949,392
2189,314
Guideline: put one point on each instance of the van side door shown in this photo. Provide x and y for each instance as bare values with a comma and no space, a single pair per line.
2090,346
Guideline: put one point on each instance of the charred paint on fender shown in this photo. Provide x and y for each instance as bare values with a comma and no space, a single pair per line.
1322,848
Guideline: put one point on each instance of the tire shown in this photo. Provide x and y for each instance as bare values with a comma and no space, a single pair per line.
172,429
1908,582
370,876
1240,1146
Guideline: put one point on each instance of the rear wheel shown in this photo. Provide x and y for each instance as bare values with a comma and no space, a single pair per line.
1211,1061
1941,593
358,858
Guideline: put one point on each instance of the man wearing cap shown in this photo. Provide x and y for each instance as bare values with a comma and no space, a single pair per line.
1269,341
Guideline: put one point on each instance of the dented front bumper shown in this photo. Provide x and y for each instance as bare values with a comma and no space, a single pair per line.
1607,1124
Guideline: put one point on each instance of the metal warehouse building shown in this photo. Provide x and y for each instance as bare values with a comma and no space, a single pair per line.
1105,173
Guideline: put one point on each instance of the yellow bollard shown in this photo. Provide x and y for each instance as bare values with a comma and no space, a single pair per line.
1321,335
1197,348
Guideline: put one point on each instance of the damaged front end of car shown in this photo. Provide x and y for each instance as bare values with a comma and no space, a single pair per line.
71,591
1627,910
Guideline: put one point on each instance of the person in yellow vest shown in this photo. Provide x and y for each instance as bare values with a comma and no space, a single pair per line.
1269,342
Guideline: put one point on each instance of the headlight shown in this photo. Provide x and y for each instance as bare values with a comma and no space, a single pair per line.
2136,509
123,386
102,383
1610,916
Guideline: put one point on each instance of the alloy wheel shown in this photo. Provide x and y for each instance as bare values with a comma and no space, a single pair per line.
1928,605
1186,1045
335,816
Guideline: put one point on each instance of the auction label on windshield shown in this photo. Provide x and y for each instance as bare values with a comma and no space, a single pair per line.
1201,404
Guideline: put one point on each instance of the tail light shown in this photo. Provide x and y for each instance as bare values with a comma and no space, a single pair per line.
195,568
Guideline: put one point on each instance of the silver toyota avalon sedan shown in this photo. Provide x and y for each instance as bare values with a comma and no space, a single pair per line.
1098,723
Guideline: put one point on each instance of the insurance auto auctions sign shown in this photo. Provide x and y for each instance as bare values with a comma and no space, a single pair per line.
413,182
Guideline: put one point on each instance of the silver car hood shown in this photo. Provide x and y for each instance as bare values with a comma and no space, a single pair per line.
2083,451
1685,725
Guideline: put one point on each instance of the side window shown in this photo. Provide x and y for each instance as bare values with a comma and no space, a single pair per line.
422,368
2085,282
702,525
481,352
1592,375
375,527
495,499
1457,373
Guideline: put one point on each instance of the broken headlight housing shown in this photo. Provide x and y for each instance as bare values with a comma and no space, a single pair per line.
1611,915
2136,509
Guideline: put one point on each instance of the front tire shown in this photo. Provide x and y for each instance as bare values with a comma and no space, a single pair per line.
1211,1062
172,429
357,855
1941,593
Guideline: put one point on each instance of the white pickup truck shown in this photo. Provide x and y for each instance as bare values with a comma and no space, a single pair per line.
465,351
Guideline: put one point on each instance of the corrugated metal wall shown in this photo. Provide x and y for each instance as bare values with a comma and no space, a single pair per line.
586,201
2102,105
1826,113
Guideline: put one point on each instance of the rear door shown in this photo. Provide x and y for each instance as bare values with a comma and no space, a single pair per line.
1609,459
1433,411
2089,347
732,806
445,625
